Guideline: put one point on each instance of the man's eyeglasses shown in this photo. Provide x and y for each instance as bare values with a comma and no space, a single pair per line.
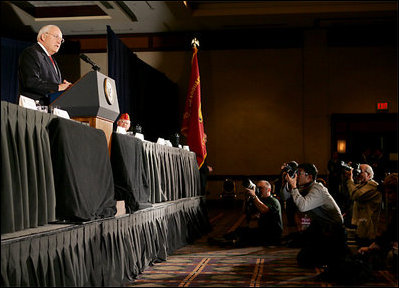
301,172
56,37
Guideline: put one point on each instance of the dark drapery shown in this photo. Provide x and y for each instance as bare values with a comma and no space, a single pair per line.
129,167
27,185
51,169
82,171
173,173
150,98
10,51
146,172
103,253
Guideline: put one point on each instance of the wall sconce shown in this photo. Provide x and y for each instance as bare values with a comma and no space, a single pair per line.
341,146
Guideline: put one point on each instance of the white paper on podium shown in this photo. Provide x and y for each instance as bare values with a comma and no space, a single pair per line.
161,141
139,135
120,130
185,147
27,102
168,143
61,113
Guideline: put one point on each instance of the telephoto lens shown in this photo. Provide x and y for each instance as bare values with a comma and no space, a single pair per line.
248,184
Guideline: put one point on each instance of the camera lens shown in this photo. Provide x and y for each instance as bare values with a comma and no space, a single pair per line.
248,184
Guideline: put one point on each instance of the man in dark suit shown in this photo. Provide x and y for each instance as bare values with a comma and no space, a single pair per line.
38,73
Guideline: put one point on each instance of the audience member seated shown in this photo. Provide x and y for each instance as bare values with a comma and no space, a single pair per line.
123,124
383,252
324,241
366,203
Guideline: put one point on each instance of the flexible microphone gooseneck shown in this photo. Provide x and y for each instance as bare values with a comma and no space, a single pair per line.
88,60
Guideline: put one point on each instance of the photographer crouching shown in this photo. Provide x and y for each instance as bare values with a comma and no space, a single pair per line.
324,241
266,209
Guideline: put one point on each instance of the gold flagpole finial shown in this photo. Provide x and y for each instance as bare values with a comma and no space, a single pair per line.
195,43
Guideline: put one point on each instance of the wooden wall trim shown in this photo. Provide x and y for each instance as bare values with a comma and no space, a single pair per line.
380,35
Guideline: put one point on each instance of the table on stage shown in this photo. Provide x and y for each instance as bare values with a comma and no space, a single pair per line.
146,173
52,169
58,169
27,183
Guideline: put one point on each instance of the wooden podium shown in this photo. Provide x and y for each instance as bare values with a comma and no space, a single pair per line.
99,123
91,99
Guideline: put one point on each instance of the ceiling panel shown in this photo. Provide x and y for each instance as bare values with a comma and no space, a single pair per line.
92,17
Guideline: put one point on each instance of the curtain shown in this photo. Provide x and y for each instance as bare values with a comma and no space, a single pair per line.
10,51
150,98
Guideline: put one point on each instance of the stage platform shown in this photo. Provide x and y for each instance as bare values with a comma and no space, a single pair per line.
106,252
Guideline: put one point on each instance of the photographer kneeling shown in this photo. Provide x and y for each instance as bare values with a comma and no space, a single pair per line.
324,241
266,208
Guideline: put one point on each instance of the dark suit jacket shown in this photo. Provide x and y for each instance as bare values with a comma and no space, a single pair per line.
36,74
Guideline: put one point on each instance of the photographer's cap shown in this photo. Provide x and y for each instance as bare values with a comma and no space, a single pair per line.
309,168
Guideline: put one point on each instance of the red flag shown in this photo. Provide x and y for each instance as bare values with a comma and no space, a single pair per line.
193,125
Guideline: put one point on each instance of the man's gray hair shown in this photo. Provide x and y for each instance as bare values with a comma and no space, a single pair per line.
267,183
369,170
44,29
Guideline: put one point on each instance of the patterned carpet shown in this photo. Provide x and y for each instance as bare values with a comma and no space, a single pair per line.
204,265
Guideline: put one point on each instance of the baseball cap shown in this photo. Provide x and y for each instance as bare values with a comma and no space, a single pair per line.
125,116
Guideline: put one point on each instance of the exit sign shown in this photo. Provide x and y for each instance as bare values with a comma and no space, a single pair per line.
382,106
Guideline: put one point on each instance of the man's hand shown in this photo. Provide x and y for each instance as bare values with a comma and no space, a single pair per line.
348,174
251,192
373,246
65,85
363,250
291,181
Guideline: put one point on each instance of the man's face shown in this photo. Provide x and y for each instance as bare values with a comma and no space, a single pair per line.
264,189
124,123
363,176
52,40
303,178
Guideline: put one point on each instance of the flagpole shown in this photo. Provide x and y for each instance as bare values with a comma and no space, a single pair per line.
195,43
192,125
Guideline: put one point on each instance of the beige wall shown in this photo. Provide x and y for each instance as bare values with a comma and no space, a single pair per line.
101,59
263,107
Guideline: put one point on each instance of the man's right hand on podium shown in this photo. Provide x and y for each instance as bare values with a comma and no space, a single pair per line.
65,85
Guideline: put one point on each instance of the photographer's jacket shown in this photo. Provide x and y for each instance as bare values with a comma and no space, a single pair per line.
319,204
271,223
366,207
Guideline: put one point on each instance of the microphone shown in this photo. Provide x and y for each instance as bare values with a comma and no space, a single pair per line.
88,60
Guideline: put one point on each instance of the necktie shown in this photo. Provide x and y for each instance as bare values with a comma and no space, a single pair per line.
52,61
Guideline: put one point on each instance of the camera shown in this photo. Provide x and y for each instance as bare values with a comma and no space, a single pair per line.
249,203
291,168
355,166
248,184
